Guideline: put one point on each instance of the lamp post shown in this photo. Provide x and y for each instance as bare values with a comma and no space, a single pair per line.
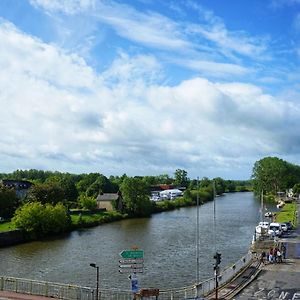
97,286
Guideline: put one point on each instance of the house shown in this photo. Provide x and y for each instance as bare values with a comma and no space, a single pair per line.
106,201
21,186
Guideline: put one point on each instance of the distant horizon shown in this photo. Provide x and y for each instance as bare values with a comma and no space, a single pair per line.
149,86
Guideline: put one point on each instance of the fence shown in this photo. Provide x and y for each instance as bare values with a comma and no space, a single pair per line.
73,292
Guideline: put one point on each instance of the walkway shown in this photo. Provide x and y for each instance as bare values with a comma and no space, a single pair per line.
16,296
278,281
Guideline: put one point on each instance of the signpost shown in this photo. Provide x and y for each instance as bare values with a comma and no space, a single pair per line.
132,254
132,262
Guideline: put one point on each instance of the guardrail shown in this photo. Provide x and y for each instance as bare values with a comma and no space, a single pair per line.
74,292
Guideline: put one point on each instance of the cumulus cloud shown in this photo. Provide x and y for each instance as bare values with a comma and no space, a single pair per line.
57,113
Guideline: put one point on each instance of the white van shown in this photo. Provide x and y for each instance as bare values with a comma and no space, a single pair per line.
275,229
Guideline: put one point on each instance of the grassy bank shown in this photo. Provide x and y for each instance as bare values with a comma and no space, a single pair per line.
288,213
97,218
7,226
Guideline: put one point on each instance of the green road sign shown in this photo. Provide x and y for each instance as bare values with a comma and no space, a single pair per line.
132,254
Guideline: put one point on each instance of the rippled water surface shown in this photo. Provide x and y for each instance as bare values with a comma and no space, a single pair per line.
168,240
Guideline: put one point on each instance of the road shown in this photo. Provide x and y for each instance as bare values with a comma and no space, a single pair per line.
281,280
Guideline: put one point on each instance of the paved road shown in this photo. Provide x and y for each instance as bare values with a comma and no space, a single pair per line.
278,281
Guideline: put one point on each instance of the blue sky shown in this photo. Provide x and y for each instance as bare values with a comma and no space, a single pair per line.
145,87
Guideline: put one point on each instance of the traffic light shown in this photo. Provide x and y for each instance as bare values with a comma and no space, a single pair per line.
217,257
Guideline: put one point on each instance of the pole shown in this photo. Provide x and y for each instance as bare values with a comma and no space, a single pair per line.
197,235
214,212
93,265
97,287
217,284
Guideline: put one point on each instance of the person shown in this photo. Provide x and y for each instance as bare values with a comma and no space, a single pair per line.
279,256
271,255
283,249
262,257
275,254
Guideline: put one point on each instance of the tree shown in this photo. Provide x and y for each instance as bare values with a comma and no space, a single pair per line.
269,174
8,201
85,182
219,185
38,219
46,193
296,189
181,178
67,183
136,197
87,202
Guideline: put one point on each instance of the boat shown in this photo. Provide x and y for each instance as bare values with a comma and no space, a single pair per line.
263,226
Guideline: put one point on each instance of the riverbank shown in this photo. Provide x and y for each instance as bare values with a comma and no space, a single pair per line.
86,219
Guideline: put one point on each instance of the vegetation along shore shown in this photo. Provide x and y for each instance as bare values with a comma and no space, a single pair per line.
42,203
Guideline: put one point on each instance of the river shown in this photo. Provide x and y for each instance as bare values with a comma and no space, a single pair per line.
168,240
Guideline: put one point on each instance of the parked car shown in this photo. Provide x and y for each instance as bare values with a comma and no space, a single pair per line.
284,227
269,214
289,225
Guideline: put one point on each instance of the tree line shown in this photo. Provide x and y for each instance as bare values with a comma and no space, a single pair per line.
45,209
272,175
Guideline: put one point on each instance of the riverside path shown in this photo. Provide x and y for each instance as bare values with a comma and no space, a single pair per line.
281,280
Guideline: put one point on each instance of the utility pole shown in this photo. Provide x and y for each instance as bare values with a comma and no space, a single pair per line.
217,257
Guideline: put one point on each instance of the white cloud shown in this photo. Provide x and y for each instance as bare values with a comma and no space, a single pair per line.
57,113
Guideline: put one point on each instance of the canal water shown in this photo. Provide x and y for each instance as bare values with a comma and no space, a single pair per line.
168,240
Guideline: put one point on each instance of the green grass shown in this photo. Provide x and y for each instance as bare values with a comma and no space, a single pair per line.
7,226
95,218
288,213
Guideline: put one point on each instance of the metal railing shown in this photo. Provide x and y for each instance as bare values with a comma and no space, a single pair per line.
74,292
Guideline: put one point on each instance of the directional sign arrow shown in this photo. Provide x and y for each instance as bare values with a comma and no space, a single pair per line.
132,266
132,254
129,270
131,261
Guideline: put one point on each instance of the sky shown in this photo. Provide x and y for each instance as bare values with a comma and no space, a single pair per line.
145,87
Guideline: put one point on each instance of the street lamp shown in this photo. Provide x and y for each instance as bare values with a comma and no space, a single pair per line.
97,286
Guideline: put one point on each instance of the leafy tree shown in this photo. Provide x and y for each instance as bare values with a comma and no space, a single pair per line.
205,182
164,179
219,185
269,174
136,198
40,220
87,202
86,181
46,193
296,189
67,183
181,178
8,201
230,186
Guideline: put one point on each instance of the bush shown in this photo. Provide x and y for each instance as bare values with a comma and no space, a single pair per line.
87,202
40,220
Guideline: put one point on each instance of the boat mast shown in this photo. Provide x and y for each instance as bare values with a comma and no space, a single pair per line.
197,236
